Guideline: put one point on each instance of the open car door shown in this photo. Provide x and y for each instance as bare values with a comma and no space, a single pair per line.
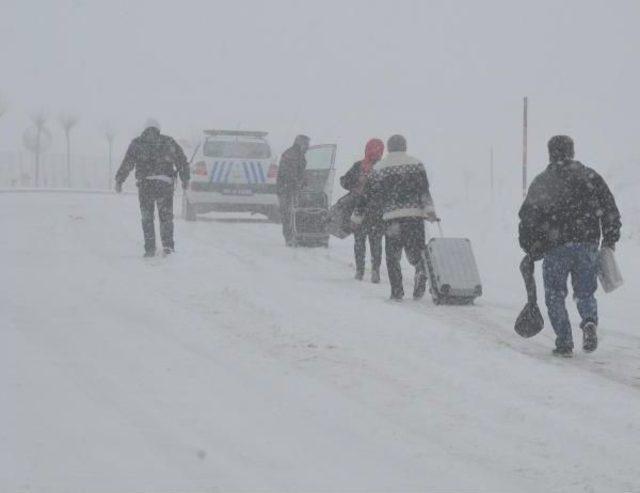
320,170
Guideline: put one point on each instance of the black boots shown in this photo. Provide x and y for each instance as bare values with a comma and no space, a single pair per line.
589,337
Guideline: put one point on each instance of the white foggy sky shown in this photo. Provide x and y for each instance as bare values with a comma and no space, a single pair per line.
450,75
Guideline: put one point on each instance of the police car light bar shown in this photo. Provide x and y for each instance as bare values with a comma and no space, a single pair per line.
244,133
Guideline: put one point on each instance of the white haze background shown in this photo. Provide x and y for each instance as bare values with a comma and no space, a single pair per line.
450,75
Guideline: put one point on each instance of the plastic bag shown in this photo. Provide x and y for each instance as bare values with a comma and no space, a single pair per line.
608,270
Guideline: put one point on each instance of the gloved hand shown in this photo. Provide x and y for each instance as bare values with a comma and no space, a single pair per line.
356,221
536,251
118,187
432,218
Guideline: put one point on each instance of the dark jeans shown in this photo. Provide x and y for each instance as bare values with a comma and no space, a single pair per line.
150,193
580,260
286,203
375,246
404,234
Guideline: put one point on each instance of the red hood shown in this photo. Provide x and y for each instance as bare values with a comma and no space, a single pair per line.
373,151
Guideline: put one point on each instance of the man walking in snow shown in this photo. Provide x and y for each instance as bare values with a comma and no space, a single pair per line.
568,209
290,181
157,159
399,184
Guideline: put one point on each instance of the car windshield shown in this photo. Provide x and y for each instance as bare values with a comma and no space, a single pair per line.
236,149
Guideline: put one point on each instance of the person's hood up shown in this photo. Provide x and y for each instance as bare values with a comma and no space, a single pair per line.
372,154
373,150
561,149
150,133
302,142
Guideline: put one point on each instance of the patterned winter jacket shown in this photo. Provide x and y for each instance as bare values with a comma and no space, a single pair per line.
154,155
568,202
399,184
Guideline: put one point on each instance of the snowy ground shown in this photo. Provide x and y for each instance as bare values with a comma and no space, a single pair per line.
239,365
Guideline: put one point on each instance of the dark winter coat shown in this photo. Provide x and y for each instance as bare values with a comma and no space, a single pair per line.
154,155
351,179
567,203
291,171
371,209
399,184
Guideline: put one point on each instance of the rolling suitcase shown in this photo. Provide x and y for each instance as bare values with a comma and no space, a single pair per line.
453,273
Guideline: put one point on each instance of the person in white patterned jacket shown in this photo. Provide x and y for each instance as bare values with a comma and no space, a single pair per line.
399,184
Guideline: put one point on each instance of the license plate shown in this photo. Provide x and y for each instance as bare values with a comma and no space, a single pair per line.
232,191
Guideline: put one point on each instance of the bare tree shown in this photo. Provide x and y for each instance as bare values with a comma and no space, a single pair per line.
42,138
67,122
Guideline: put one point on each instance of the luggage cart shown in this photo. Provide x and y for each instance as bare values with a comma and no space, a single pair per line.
309,219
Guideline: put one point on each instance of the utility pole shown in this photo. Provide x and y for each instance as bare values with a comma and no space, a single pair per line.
491,172
525,125
39,124
467,181
110,135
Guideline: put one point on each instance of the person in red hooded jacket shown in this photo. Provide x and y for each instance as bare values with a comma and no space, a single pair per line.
372,225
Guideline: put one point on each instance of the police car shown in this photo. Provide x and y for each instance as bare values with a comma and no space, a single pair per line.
232,171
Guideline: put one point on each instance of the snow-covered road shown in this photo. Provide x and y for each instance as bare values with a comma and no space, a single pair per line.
240,365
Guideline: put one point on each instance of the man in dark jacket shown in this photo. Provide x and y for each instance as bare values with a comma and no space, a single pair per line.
290,181
568,209
399,182
157,159
372,226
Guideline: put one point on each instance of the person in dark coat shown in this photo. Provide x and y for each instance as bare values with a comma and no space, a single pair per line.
372,226
157,160
290,181
399,183
568,210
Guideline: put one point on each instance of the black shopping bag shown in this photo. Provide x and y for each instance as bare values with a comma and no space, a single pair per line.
530,321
